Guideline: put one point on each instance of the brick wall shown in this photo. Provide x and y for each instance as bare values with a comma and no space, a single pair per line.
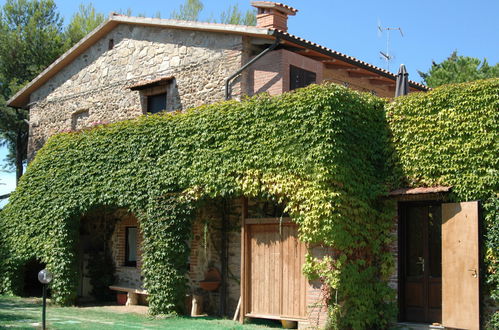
205,254
273,19
126,275
271,73
360,84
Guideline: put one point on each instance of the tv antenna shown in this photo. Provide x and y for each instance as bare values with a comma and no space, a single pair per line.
386,55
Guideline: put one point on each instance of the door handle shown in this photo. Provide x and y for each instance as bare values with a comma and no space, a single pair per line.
474,272
421,262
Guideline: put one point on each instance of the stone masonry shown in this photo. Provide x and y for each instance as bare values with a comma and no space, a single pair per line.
95,87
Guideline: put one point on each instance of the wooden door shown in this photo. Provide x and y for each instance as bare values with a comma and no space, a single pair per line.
460,262
421,271
265,270
276,286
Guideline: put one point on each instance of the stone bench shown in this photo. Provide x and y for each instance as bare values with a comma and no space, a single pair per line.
132,293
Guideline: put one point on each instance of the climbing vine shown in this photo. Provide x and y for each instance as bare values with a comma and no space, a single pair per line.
322,151
450,136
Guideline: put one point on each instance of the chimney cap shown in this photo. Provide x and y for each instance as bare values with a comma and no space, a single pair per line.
275,5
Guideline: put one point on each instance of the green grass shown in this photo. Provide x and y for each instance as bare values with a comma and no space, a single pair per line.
25,313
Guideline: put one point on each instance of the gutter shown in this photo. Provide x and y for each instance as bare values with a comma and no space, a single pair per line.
253,60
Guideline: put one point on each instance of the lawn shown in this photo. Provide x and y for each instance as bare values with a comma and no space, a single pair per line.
25,313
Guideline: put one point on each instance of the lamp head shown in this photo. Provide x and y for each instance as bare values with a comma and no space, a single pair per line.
44,276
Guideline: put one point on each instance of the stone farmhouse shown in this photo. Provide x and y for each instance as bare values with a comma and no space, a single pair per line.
132,66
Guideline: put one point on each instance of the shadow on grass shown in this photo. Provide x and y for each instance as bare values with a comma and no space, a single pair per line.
15,310
248,321
264,322
9,303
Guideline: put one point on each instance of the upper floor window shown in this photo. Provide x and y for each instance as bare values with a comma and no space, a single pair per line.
300,77
156,103
157,95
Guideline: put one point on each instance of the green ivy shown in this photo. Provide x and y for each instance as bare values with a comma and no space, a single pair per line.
322,151
450,136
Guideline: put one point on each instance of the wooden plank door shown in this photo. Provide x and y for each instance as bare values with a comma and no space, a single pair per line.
276,286
294,284
460,266
265,270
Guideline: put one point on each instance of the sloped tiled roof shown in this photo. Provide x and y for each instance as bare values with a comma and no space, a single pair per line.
21,98
420,190
347,58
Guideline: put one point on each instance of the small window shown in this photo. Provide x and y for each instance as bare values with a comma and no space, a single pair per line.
300,78
156,103
131,246
110,44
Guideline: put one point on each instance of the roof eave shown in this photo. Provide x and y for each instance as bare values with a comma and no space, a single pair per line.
323,50
21,98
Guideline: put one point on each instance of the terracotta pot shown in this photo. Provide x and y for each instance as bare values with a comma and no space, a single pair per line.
121,298
209,285
289,324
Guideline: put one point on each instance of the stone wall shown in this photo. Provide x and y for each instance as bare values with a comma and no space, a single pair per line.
94,87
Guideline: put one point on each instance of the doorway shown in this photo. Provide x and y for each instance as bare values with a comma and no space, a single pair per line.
275,287
420,261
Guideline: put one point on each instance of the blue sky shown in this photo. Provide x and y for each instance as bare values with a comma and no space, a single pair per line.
432,29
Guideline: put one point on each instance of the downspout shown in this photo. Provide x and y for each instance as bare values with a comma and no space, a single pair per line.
253,60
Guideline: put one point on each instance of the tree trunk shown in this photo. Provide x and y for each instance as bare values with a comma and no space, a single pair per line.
19,156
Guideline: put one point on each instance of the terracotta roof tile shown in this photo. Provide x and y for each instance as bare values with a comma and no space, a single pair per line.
350,58
273,4
420,190
150,83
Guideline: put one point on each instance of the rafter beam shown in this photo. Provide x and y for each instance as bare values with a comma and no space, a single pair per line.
381,82
362,74
339,66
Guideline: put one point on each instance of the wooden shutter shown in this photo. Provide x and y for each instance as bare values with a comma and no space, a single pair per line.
460,266
299,77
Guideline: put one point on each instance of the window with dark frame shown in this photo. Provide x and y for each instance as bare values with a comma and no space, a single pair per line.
156,103
131,246
299,77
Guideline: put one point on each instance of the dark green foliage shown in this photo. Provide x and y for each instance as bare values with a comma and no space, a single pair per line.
101,270
320,150
30,39
458,69
189,11
82,23
234,16
450,136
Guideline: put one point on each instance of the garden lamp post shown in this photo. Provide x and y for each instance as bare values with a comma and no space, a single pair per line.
44,276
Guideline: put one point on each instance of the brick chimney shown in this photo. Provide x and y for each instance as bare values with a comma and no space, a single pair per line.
273,15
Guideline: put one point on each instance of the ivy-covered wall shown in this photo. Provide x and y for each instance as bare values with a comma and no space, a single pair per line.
450,136
320,150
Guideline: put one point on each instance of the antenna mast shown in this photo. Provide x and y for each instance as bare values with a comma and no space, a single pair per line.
387,56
